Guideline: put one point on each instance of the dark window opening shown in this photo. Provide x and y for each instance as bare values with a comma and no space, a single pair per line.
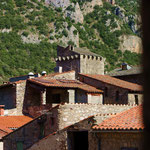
56,98
136,99
99,144
52,121
117,95
78,140
106,92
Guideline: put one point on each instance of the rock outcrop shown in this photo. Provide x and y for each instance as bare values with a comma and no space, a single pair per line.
59,3
75,15
131,43
89,6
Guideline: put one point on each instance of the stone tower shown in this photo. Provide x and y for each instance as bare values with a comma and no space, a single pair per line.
79,59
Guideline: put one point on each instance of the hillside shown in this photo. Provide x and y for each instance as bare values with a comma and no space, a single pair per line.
31,29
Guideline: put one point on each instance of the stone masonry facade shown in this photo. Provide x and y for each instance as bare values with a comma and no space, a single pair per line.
69,59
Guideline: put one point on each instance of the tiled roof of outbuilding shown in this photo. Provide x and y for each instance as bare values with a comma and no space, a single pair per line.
116,82
65,84
131,119
7,123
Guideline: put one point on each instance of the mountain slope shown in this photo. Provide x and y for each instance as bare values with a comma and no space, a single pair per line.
31,29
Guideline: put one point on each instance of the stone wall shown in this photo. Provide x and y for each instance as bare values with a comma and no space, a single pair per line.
137,78
61,139
95,98
69,59
73,113
1,145
67,75
91,64
135,99
110,96
70,64
115,140
8,96
20,92
12,97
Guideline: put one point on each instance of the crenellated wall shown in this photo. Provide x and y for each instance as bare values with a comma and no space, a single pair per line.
84,61
91,64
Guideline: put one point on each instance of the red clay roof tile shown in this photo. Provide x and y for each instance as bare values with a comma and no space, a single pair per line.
9,122
116,82
128,120
65,84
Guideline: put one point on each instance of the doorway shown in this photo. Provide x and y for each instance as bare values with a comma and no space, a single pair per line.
78,140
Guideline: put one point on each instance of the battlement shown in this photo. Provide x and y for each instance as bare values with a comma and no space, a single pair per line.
89,57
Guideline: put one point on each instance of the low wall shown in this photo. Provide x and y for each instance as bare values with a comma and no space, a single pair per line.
72,113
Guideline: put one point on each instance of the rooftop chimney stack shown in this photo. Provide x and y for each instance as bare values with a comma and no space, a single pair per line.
124,66
2,110
43,73
30,75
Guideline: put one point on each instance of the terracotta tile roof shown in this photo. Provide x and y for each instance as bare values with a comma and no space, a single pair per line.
116,82
7,123
65,84
131,119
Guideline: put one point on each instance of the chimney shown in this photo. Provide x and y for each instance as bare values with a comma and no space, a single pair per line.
2,110
43,73
30,75
124,66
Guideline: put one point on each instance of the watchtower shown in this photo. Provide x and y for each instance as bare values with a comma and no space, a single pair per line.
79,59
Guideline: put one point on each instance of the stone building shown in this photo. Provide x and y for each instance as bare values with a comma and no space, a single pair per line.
41,92
10,123
67,104
62,120
128,73
116,91
125,129
79,59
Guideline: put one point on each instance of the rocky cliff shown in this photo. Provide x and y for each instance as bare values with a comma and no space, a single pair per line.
30,30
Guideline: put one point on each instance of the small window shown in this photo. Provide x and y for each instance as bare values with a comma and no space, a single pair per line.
136,99
117,95
106,92
19,145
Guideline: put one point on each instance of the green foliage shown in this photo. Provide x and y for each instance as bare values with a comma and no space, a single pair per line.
22,16
70,8
25,33
65,33
18,58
